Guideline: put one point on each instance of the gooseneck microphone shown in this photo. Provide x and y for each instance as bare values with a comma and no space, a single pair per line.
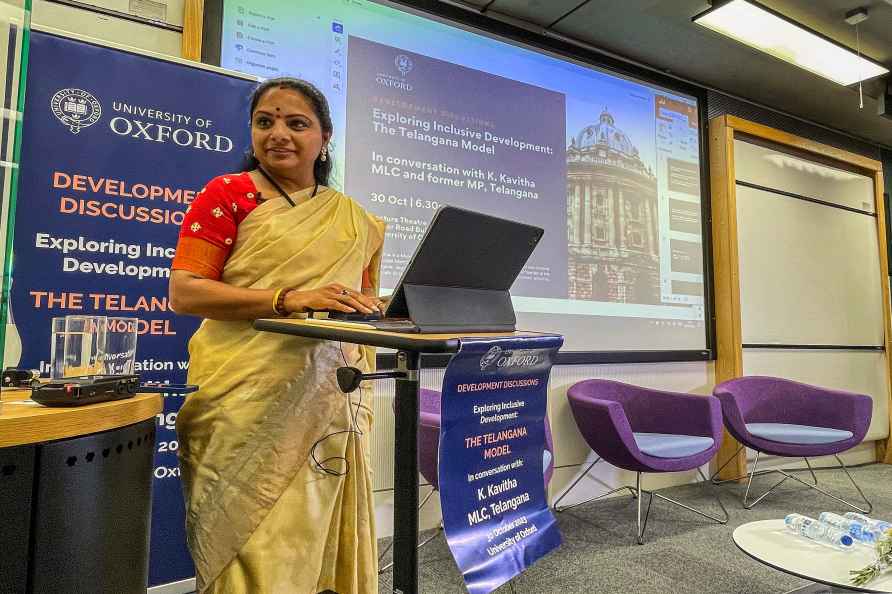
349,378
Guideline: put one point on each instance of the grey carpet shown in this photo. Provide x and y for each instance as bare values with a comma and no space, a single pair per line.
683,553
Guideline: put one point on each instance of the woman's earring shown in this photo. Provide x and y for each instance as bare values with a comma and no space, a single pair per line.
323,156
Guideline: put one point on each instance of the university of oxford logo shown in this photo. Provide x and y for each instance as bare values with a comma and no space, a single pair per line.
75,108
490,357
504,359
404,64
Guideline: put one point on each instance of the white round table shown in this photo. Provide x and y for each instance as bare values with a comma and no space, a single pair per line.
771,543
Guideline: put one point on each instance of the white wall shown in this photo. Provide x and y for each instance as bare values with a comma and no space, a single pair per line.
109,28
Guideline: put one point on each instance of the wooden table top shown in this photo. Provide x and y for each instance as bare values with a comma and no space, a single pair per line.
24,422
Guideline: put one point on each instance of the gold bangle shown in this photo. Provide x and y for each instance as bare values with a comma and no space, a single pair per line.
279,306
276,301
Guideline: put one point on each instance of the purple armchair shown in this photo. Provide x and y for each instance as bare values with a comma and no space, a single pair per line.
429,452
645,430
781,417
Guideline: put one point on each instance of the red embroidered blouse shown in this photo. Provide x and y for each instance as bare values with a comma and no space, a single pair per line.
211,225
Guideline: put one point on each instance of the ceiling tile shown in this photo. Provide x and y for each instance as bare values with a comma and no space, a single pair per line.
660,33
541,12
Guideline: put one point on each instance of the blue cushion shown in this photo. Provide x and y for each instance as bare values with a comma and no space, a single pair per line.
802,434
663,445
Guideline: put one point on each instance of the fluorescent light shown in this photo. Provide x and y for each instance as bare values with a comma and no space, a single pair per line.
765,30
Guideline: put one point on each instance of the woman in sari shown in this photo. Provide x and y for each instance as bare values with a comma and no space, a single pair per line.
274,458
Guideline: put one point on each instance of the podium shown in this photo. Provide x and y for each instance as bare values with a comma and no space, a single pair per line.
409,349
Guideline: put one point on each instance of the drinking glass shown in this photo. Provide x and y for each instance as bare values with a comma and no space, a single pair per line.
120,345
77,346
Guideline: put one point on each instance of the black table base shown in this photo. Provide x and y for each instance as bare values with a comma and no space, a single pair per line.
405,480
75,513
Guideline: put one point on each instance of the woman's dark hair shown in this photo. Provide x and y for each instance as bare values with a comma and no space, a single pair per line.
321,169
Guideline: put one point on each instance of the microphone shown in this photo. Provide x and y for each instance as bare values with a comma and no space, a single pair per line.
349,378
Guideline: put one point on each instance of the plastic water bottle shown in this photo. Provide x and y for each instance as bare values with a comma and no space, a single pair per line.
857,530
875,525
819,531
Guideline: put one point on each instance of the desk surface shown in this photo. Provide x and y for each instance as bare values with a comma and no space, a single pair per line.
359,333
23,422
771,543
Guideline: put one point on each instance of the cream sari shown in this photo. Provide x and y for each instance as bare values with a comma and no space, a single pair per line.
261,517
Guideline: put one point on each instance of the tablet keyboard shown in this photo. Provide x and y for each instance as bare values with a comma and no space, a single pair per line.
394,325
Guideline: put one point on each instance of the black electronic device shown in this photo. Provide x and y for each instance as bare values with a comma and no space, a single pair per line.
375,319
355,316
459,277
158,388
84,389
17,377
348,378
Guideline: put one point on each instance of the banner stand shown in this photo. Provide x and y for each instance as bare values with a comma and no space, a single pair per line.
115,146
492,464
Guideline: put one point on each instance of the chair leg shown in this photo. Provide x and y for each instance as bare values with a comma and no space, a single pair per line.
759,473
641,529
653,494
866,510
750,504
722,467
814,477
715,496
788,474
857,488
640,532
637,492
742,476
557,508
421,544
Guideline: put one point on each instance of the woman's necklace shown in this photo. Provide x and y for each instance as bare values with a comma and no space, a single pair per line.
284,194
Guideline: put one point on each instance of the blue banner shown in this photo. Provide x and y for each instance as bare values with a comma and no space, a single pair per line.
492,441
115,147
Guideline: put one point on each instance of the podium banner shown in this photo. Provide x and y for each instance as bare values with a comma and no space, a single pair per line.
491,466
115,146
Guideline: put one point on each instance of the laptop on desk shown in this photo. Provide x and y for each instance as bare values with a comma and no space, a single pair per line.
459,276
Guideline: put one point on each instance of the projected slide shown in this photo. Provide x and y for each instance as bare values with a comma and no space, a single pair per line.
428,114
411,150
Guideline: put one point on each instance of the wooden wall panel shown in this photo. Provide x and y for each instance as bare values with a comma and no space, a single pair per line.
884,449
729,357
193,24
